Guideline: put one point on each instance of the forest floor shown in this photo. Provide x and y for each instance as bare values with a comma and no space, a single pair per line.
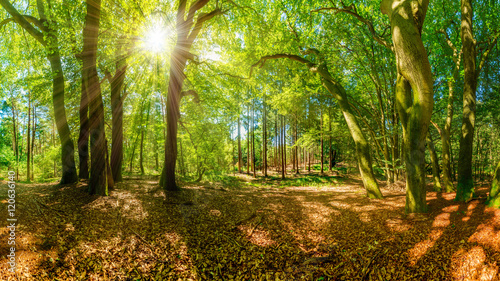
308,227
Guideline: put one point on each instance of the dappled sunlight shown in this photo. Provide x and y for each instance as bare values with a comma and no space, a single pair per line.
257,236
487,234
471,265
449,209
421,248
441,220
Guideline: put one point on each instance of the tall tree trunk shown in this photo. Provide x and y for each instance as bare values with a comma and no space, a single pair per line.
14,134
141,164
446,133
239,146
248,140
282,138
414,92
187,31
33,144
435,163
264,139
28,148
54,144
330,154
322,146
117,100
253,138
284,144
276,143
69,174
83,139
297,154
97,181
465,185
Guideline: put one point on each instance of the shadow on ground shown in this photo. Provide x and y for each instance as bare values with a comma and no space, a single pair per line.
237,228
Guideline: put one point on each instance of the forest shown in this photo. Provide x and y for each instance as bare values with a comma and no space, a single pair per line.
249,140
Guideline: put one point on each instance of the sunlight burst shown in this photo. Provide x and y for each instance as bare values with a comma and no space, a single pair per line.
156,39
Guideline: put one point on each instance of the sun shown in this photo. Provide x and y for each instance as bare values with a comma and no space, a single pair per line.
156,39
157,36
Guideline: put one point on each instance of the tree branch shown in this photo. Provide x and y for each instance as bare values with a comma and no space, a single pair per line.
199,24
351,10
22,21
193,93
484,56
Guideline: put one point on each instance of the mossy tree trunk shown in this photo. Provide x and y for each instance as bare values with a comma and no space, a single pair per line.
414,93
465,185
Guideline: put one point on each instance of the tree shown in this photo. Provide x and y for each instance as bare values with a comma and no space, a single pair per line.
92,89
45,34
187,31
414,92
339,93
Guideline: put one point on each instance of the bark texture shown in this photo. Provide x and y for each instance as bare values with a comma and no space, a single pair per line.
414,93
187,31
465,185
97,181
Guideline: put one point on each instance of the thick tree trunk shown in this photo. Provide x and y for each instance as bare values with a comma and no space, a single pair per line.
177,64
465,185
414,92
97,181
435,163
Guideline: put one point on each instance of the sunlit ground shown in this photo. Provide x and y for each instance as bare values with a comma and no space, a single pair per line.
242,228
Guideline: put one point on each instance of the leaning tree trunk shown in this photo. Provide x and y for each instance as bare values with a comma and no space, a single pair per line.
362,146
69,174
97,181
339,93
465,185
414,92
